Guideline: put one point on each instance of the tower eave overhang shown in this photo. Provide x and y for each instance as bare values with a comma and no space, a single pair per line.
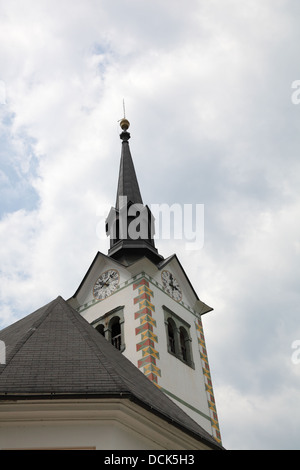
132,250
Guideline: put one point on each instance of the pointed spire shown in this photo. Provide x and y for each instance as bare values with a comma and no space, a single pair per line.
130,224
128,184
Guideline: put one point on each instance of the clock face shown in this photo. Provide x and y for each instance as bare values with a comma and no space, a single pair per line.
106,284
171,285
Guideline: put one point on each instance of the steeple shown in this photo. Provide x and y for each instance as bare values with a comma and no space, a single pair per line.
128,184
130,224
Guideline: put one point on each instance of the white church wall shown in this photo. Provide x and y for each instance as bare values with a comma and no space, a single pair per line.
145,337
88,424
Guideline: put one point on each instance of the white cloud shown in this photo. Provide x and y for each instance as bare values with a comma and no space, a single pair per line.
260,422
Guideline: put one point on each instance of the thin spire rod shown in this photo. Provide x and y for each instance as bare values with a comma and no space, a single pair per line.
124,123
124,108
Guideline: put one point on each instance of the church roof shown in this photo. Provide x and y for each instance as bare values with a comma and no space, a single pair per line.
54,352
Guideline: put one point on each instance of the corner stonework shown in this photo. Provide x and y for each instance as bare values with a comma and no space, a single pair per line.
208,382
144,314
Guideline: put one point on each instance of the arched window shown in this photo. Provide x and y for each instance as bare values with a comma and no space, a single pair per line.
179,342
100,329
111,326
183,336
171,336
115,332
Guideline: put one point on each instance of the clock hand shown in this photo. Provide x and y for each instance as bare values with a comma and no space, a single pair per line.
103,283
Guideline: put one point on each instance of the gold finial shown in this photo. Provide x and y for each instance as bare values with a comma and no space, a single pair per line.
124,123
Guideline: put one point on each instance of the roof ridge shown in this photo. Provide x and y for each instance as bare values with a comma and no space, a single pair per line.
89,340
48,307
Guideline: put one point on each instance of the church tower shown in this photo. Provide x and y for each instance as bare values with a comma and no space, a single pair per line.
146,306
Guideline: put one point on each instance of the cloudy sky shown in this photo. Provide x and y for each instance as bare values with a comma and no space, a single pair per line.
210,88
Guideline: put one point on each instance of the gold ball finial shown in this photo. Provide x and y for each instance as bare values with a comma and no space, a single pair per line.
124,123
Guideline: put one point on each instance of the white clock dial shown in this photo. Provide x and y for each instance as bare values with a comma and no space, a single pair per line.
106,284
171,285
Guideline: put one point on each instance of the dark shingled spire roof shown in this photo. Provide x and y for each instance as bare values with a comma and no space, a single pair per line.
128,185
126,246
54,352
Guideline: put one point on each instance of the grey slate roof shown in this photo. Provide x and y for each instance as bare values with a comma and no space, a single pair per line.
56,352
